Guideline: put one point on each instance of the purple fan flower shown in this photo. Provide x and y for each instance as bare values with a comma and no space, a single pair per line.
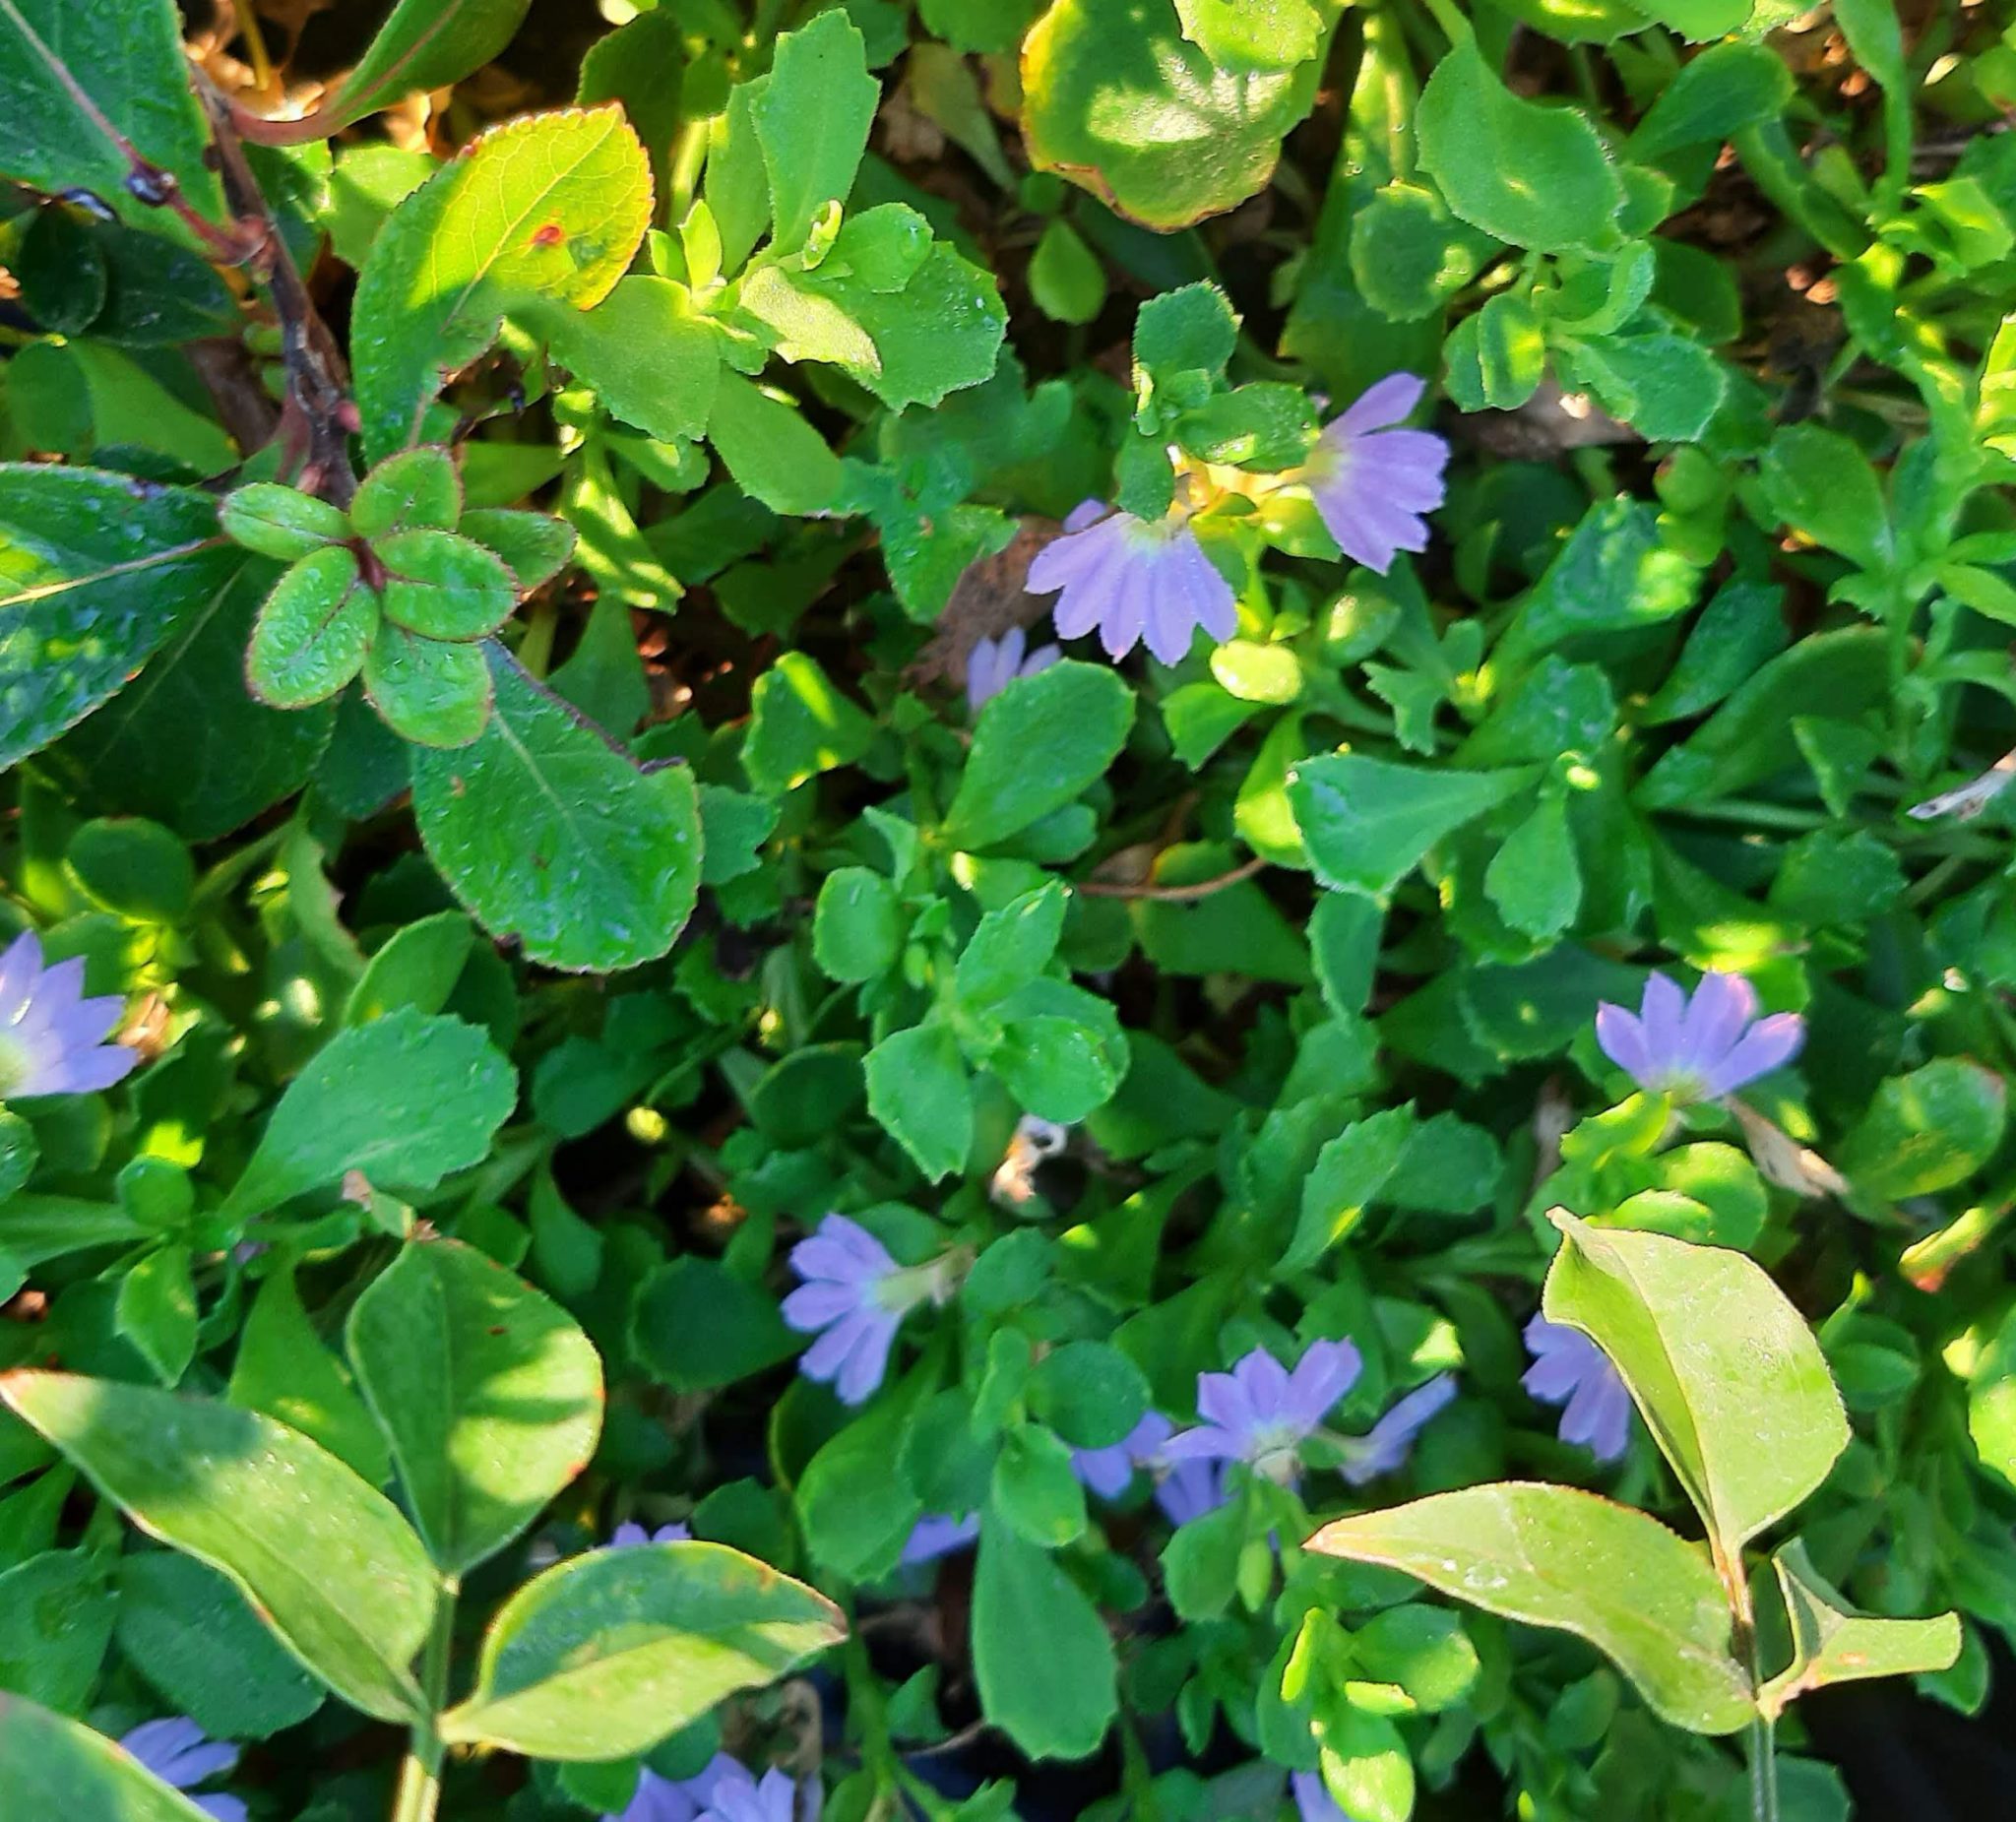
1370,483
1109,1471
994,664
630,1534
1133,580
738,1797
1313,1801
51,1035
1260,1413
937,1535
179,1754
1189,1490
1568,1368
675,1799
1698,1048
1384,1447
858,1295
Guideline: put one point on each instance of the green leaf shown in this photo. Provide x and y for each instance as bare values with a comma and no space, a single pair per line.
1366,1765
799,726
546,207
1499,356
424,44
416,488
417,968
157,1311
1530,175
1028,1612
857,926
62,1607
1834,1644
50,1765
775,456
279,522
695,1325
1350,1170
1252,34
1115,98
1408,255
1614,574
92,88
1729,1377
1036,748
1035,1490
917,1090
1368,823
430,691
608,1654
647,353
812,118
534,546
326,1561
283,1369
95,570
489,1394
1926,1131
1065,277
1089,1393
313,631
189,1632
1057,1067
1555,1557
1012,946
1991,1403
185,742
940,331
550,835
1534,879
444,587
1824,487
405,1099
1713,97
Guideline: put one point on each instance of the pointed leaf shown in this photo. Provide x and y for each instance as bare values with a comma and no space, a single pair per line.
325,1561
1556,1556
489,1394
1834,1644
1729,1377
424,44
609,1653
53,1765
405,1099
1367,822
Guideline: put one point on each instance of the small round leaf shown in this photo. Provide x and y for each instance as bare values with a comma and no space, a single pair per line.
430,691
313,632
443,586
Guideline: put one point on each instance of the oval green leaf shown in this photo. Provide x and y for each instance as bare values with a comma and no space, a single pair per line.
489,1394
325,1561
1556,1556
550,834
433,692
312,633
1730,1379
608,1654
52,1766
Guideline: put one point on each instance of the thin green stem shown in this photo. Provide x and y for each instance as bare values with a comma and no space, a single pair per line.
419,1777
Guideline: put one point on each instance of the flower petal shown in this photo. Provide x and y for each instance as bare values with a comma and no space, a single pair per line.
1768,1045
1384,402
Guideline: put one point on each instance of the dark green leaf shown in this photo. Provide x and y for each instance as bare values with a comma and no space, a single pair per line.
96,571
550,834
1026,1612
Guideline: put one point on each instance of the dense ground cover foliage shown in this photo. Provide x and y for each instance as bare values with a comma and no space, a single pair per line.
972,908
